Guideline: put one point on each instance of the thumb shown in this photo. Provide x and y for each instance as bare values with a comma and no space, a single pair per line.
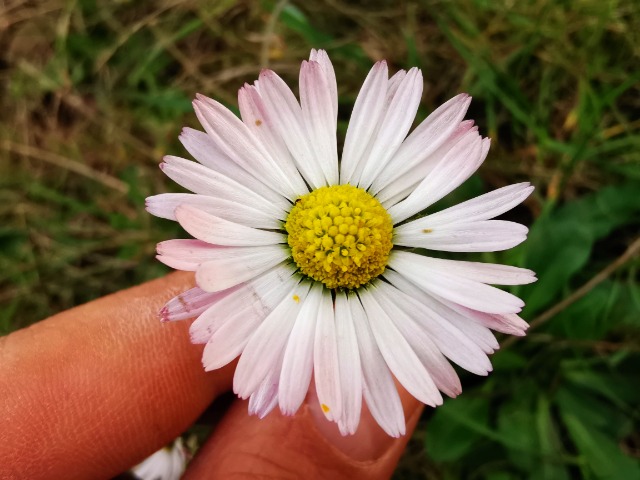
303,446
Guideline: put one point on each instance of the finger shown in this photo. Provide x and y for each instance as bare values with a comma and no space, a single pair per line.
93,390
303,446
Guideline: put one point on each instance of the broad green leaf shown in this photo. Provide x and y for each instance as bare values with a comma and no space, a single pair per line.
587,318
505,360
621,389
601,457
551,465
449,437
561,241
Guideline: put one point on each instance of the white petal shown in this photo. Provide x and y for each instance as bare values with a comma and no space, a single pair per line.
394,83
482,236
265,398
379,390
164,206
166,464
406,183
434,317
492,273
188,304
234,265
267,343
297,366
484,207
285,111
366,113
325,360
425,139
217,231
227,326
395,126
177,264
187,254
203,180
401,359
231,334
350,368
235,139
322,58
203,148
458,165
255,115
319,119
467,292
481,335
419,340
252,300
508,323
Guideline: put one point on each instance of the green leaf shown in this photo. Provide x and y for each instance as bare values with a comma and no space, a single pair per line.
618,388
296,20
500,476
505,360
561,241
449,436
600,454
550,445
587,318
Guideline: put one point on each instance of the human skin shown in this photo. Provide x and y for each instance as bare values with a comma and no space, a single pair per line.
92,391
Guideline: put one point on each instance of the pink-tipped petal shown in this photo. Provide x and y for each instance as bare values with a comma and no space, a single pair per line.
319,119
458,165
402,186
469,293
164,206
297,365
325,360
425,139
188,304
267,343
419,340
258,120
350,367
204,181
434,318
322,58
235,139
401,359
236,265
378,388
366,113
484,207
286,113
217,231
483,236
394,127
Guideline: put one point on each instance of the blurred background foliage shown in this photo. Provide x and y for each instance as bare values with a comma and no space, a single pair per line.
94,93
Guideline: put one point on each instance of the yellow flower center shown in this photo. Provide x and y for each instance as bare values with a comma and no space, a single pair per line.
340,236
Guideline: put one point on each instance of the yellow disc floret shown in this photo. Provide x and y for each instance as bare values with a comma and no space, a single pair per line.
340,236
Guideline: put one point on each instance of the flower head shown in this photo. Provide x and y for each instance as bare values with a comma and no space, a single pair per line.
306,265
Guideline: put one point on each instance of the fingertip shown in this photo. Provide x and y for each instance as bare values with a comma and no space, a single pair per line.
98,388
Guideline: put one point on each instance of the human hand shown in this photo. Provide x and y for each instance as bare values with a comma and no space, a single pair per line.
94,390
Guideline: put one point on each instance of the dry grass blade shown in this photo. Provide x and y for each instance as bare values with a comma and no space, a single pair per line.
67,164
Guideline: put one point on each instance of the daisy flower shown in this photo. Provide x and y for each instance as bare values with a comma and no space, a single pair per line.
306,264
167,463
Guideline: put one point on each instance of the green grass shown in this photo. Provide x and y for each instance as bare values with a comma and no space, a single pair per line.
95,93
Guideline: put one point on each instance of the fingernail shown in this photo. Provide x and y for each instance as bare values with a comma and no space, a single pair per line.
369,442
